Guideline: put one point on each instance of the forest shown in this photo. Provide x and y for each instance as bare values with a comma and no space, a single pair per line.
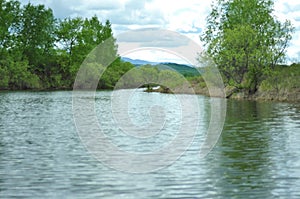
39,51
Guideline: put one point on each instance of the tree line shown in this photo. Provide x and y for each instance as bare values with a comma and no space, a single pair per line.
39,51
246,41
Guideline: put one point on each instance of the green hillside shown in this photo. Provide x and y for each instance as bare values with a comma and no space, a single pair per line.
185,70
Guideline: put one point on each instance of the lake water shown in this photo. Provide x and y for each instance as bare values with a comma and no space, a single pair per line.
43,156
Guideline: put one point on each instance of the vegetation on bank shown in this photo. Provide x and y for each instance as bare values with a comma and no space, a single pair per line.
151,76
247,43
39,51
283,79
282,84
243,38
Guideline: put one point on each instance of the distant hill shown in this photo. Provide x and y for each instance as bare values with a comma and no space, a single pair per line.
138,62
181,68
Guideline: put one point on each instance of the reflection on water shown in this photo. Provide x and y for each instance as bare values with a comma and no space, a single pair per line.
41,156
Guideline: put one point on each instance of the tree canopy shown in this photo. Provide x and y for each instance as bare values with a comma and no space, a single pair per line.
40,51
245,40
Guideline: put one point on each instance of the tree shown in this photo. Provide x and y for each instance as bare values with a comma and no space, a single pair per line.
39,51
15,75
68,35
115,72
245,40
108,50
36,37
9,21
77,38
170,79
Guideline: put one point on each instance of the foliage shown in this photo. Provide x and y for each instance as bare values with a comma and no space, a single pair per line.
283,79
39,51
185,70
36,36
113,73
9,18
170,79
245,40
16,75
148,75
87,76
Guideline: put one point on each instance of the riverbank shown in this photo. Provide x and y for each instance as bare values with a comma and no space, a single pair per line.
282,84
281,96
260,95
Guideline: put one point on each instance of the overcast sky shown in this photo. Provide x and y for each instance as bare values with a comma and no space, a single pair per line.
186,17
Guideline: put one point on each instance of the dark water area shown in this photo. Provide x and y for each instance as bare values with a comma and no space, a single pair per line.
42,156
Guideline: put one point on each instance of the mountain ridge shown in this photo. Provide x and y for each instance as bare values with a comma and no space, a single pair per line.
184,69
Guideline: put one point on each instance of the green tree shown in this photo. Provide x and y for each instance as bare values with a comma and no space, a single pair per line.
15,75
39,51
115,72
4,77
88,75
78,37
68,35
36,37
170,79
245,40
107,52
9,23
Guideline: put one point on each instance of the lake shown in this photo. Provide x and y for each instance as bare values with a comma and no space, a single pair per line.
43,156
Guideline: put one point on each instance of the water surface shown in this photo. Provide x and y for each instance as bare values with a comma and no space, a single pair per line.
41,155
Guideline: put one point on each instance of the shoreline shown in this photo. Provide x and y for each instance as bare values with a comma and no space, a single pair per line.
272,96
269,96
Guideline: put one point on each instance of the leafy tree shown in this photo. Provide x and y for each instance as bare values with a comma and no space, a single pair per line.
170,79
9,22
36,37
77,37
15,75
4,78
107,51
245,40
92,33
133,78
115,73
39,51
149,73
89,74
68,35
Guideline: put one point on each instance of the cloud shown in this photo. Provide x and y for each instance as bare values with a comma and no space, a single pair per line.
185,17
154,38
158,56
291,6
158,40
62,9
193,29
102,5
290,10
137,17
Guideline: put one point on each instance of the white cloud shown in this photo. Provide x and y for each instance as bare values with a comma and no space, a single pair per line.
290,10
157,55
186,17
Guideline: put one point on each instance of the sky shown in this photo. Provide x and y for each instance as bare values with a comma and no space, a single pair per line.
187,18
